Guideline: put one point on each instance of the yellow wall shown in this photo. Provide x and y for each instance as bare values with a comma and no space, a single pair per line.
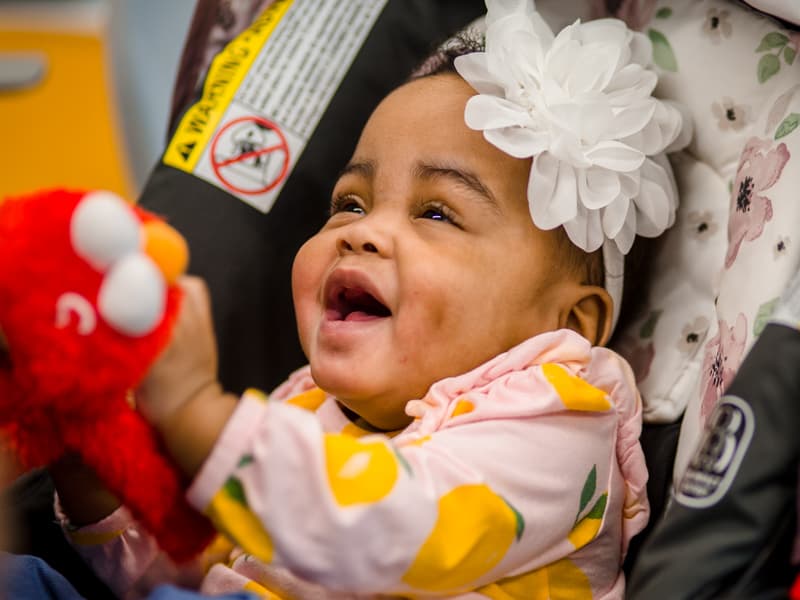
62,131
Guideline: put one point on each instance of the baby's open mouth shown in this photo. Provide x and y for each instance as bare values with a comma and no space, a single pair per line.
354,304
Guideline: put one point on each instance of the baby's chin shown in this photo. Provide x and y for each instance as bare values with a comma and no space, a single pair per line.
380,413
363,396
379,420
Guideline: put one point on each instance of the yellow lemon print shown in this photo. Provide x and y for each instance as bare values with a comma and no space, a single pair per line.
354,430
528,586
574,392
561,580
474,530
230,514
310,400
260,591
567,582
462,408
218,551
417,442
256,394
359,472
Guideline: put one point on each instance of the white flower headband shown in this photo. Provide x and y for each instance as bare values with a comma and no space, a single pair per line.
581,104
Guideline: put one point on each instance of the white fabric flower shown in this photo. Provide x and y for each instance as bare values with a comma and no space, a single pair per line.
580,103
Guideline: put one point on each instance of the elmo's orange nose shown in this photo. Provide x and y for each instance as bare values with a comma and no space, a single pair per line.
167,248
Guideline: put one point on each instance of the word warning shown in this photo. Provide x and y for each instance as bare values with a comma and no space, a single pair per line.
265,94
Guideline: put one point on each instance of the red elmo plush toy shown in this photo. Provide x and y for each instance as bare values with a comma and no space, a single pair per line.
87,302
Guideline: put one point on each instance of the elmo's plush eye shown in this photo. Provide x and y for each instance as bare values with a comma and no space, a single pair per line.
104,229
133,295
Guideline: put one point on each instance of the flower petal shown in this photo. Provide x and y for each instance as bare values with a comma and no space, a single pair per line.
585,230
593,68
474,69
614,216
616,156
657,200
662,130
632,119
598,187
519,142
641,49
608,32
489,112
624,239
552,195
632,82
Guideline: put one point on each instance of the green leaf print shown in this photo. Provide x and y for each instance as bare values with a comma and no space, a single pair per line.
518,516
664,13
589,487
789,55
762,317
245,460
403,462
234,488
787,126
649,326
663,55
767,67
599,508
772,40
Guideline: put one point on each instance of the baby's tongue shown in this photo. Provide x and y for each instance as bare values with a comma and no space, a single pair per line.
360,315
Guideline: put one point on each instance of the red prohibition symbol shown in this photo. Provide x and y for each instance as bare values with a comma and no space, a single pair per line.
255,144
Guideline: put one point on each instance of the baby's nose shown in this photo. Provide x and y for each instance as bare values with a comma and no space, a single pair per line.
347,246
371,234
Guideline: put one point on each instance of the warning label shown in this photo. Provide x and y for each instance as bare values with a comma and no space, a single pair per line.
266,92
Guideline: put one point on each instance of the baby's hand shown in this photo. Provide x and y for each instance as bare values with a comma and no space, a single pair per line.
181,396
188,365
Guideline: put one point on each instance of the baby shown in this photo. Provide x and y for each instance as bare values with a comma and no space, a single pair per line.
460,430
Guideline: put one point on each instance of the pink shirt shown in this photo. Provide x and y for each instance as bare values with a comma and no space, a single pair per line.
523,474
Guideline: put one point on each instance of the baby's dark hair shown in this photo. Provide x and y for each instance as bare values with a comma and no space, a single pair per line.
588,265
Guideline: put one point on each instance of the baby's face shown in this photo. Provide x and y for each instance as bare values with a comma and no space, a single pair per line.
429,265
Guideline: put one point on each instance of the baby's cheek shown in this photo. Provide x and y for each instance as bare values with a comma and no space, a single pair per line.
304,308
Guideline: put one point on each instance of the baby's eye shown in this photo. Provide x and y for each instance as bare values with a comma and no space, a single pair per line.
439,212
346,203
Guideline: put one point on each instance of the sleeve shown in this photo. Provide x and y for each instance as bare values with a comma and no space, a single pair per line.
125,556
510,478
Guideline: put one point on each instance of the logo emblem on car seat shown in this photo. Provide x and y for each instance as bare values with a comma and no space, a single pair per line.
715,464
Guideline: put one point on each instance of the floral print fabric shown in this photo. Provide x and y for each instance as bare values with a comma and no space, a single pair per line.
720,269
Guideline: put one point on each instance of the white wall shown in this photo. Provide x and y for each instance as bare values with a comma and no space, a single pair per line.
146,42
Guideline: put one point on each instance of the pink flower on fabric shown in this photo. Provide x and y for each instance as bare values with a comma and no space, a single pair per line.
639,356
598,9
724,354
759,169
794,40
636,13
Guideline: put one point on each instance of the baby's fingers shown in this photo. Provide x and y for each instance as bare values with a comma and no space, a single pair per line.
188,363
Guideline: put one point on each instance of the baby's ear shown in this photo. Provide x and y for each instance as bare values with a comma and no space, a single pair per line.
590,314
